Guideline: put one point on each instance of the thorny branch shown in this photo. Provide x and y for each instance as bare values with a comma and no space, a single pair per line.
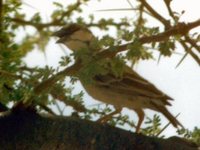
38,26
180,29
193,43
56,23
43,86
188,50
156,14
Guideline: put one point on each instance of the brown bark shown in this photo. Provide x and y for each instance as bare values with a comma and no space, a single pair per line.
24,130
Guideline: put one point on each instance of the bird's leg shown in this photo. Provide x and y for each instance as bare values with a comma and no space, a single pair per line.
107,117
140,114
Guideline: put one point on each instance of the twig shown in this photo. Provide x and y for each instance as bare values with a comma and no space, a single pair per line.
72,70
61,97
58,107
118,9
167,3
55,22
187,49
181,60
10,75
165,126
46,108
156,14
130,3
38,26
68,12
109,23
124,9
140,18
46,85
193,43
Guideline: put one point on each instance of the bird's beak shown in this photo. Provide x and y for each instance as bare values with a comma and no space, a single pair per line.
59,41
62,35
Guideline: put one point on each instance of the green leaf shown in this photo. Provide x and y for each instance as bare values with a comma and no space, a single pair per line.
166,48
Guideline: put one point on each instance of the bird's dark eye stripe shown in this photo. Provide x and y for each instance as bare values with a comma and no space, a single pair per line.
72,29
67,30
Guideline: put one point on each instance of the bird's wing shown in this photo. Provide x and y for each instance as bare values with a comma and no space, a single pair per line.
143,83
131,84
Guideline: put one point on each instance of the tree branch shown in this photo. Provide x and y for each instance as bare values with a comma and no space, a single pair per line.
37,25
167,3
10,75
155,14
25,130
45,85
193,43
187,49
179,29
69,12
61,97
54,23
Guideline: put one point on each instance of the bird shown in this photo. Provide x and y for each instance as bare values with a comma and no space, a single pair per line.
130,90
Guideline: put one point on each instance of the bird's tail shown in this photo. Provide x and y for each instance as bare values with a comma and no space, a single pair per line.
168,115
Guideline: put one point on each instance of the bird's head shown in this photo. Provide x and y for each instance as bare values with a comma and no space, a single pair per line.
74,36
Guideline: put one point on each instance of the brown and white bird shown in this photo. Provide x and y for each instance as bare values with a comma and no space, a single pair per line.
131,90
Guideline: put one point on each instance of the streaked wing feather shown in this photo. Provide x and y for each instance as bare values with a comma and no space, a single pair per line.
131,84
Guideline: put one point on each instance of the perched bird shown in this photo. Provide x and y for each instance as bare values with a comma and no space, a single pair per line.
131,90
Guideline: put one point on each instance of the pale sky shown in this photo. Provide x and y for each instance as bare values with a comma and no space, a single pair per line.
182,83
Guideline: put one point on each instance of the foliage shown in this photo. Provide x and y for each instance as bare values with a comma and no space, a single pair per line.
45,87
193,135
